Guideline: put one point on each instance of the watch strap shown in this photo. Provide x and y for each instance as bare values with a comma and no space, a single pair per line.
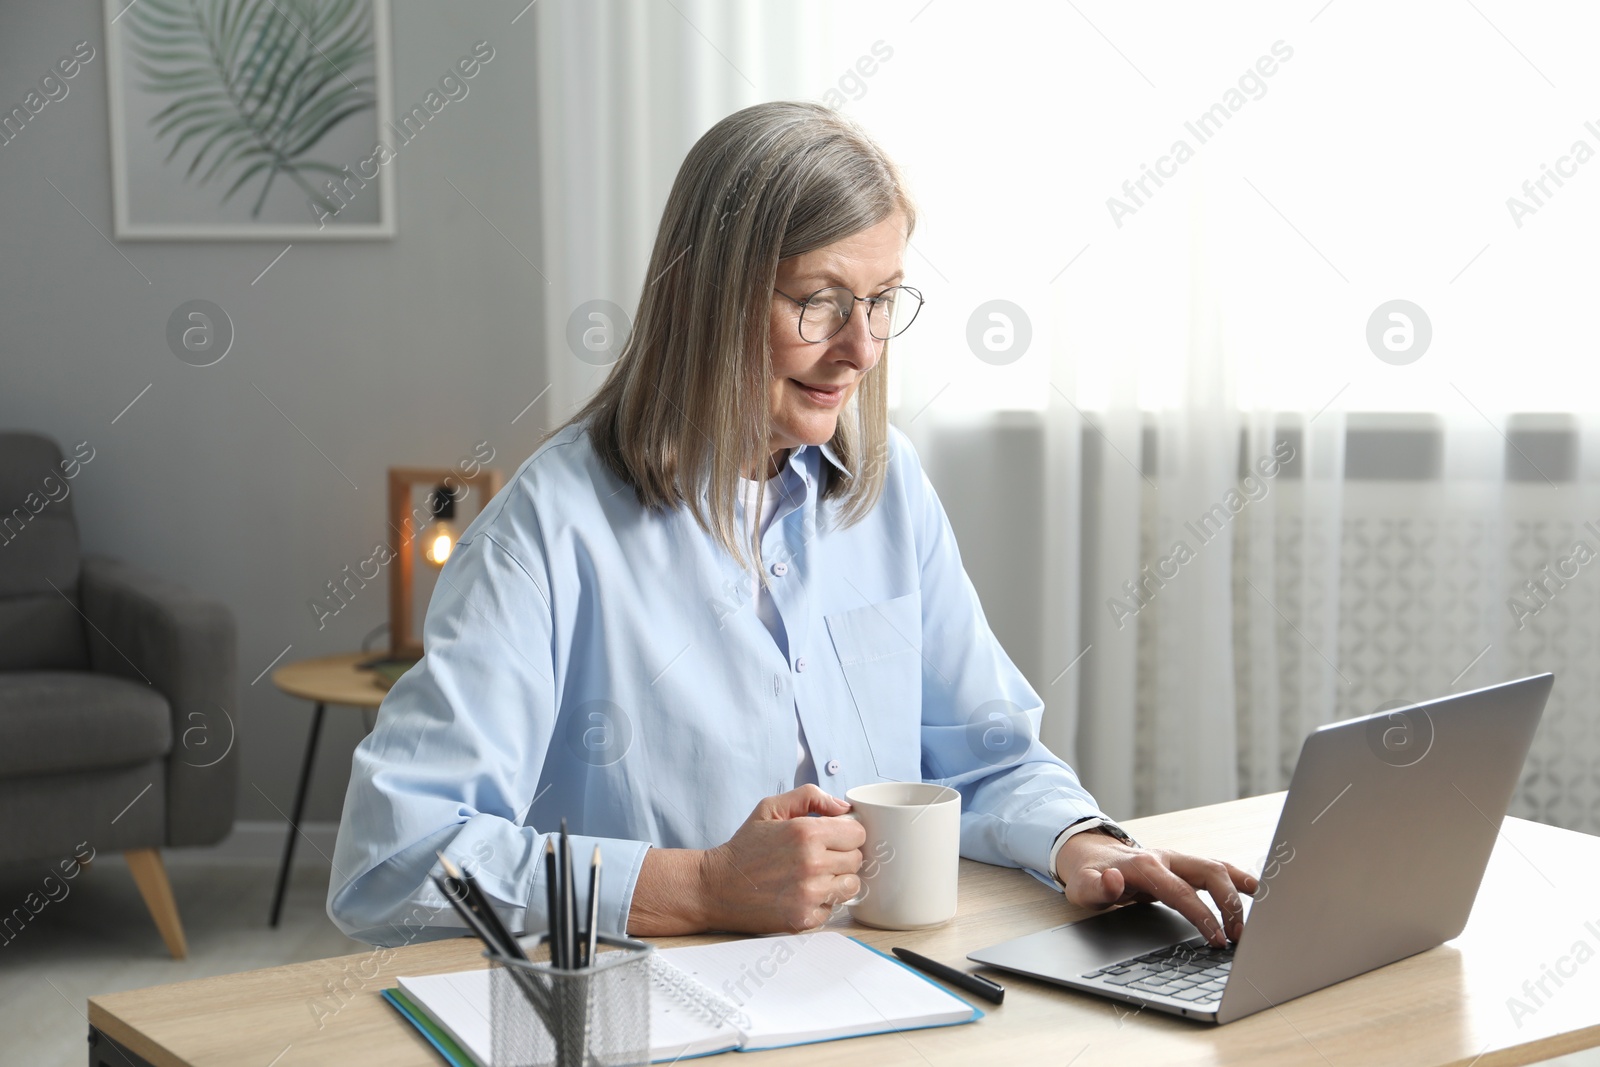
1088,822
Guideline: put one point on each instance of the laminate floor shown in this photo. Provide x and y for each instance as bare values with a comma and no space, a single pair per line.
99,939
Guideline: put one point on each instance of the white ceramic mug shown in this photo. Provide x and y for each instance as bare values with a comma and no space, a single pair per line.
911,859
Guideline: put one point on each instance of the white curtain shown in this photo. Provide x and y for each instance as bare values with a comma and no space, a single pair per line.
1159,616
1180,657
1208,321
1204,515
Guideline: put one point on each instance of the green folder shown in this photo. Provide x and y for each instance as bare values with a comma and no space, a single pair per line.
452,1052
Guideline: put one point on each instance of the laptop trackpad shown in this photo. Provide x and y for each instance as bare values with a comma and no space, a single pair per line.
1067,951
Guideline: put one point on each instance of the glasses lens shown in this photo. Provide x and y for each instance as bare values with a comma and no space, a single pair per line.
825,313
893,311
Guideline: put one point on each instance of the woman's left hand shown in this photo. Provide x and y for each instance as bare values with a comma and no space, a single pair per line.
1099,871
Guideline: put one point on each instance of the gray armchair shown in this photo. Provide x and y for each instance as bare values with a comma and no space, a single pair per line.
118,698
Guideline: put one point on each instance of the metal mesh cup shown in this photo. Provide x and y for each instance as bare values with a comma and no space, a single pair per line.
596,1017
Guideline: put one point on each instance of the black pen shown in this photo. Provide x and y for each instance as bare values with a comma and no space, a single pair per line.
975,984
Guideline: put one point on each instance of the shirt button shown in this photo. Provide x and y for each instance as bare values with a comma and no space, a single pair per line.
800,663
780,569
832,767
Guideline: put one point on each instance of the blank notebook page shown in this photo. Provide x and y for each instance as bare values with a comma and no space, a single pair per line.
812,987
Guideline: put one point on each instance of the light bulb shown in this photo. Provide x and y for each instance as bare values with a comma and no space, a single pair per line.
437,542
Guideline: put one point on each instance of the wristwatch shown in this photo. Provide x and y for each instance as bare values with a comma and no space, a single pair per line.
1088,822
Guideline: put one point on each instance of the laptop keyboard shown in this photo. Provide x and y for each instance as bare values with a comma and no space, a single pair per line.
1191,971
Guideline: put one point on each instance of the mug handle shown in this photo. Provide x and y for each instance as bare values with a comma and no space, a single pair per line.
859,897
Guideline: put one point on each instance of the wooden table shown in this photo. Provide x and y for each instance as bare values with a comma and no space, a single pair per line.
326,680
1446,1006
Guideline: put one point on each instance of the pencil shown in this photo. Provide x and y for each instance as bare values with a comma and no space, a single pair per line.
569,903
456,893
594,910
474,899
552,900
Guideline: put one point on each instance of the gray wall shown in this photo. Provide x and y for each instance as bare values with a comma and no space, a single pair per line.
401,352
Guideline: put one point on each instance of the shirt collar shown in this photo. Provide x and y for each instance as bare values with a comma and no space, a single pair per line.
801,461
828,453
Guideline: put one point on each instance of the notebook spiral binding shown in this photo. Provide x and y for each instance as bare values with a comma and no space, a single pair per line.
716,1009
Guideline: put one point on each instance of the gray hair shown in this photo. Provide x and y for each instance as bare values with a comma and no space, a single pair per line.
685,405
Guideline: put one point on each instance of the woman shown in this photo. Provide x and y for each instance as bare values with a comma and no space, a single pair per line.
720,596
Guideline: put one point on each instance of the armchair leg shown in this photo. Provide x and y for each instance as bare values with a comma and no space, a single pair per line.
150,875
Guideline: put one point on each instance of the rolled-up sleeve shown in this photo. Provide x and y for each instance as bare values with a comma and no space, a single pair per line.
457,759
980,717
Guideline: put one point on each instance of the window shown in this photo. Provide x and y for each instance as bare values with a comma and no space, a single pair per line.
1420,154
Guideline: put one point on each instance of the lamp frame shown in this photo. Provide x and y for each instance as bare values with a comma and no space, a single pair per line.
404,522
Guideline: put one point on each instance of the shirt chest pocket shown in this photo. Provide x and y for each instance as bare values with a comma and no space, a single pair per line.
880,650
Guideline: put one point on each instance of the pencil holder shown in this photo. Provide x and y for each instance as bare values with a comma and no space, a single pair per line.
598,1016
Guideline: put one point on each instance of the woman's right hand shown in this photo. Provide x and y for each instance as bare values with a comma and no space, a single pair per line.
781,872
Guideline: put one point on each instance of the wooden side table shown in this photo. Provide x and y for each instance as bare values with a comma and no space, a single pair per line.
326,680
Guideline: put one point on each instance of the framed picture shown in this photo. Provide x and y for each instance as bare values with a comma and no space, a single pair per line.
236,119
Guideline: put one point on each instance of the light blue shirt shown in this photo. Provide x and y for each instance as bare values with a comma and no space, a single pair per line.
589,659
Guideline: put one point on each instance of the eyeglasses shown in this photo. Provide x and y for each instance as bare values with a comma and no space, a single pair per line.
825,312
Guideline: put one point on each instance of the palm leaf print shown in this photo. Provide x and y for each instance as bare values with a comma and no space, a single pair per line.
256,83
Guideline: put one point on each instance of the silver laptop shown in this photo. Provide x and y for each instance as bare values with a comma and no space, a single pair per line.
1378,855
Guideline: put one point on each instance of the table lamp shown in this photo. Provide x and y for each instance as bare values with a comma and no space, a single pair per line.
427,531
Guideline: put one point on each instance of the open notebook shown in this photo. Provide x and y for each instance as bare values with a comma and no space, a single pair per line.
768,992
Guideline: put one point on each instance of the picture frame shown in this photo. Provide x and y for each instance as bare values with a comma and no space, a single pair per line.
291,144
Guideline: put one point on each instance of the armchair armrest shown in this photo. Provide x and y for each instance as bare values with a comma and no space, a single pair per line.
150,630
